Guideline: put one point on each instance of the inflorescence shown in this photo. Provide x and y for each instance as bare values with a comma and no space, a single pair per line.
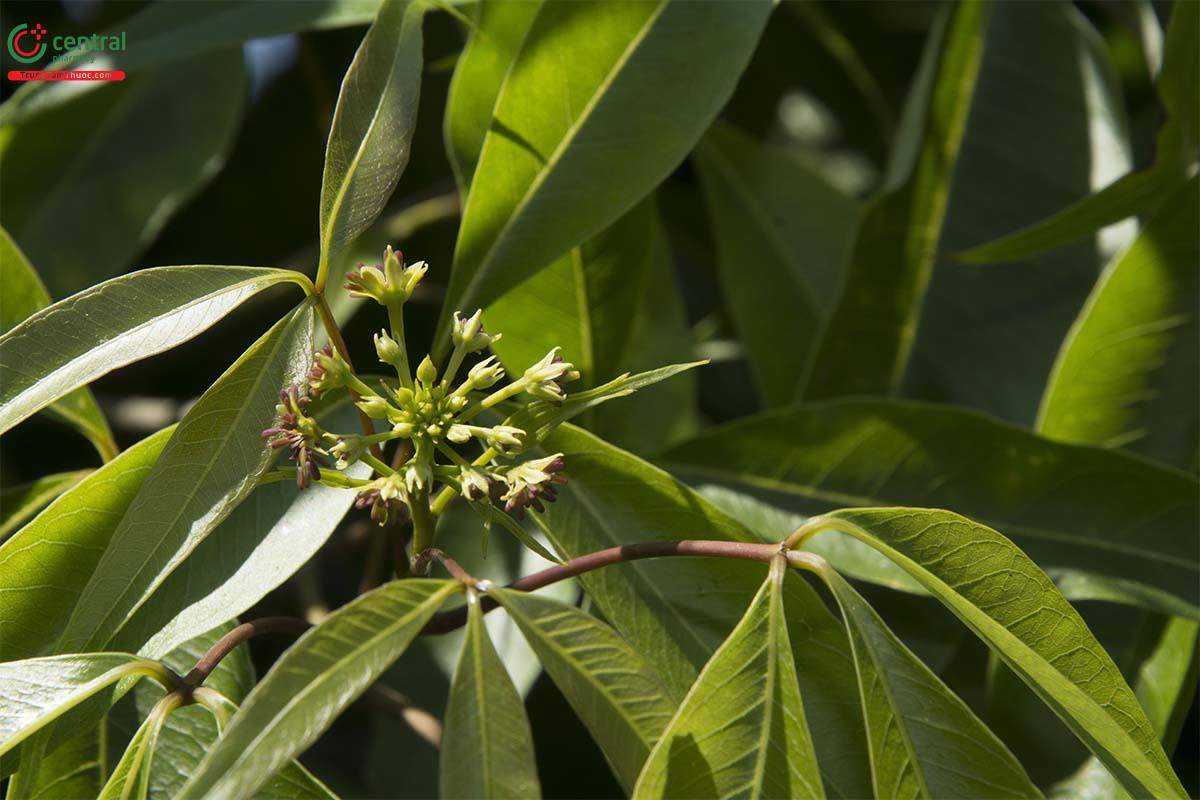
436,416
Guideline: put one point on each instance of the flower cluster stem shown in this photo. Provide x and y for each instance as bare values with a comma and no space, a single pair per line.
396,321
423,524
335,337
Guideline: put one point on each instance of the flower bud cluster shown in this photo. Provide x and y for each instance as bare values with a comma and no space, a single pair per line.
435,412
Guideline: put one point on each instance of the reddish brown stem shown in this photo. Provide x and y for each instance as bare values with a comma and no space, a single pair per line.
244,632
447,621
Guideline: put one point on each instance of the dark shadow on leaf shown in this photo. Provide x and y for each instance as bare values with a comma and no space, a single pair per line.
516,138
688,773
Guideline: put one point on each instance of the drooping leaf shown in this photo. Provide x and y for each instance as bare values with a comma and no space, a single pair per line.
22,294
19,503
777,223
1066,506
741,731
616,693
1165,686
169,32
1136,192
613,306
924,740
108,172
487,747
34,692
192,731
1128,373
576,139
262,543
130,778
115,323
866,341
1047,126
47,563
312,682
373,124
1006,600
211,463
675,611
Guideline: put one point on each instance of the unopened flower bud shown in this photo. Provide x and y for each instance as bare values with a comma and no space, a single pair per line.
501,436
387,348
459,433
375,407
427,372
475,484
469,334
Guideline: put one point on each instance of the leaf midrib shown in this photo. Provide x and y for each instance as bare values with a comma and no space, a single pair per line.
568,137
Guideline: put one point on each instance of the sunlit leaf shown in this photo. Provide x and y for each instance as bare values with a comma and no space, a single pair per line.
211,463
19,503
741,730
115,323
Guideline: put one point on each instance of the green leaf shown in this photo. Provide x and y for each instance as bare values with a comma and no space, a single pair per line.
312,683
487,747
1126,376
1135,192
1165,686
34,692
776,223
192,731
1006,600
1067,506
925,741
576,139
22,294
131,776
262,543
612,305
373,125
75,771
616,693
211,464
47,563
166,32
115,323
1047,126
741,730
499,28
112,169
866,340
19,503
675,611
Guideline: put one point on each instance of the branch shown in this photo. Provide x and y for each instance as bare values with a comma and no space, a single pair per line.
244,632
447,621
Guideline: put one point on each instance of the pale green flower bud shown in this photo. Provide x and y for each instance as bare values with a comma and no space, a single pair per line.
427,372
484,375
387,348
375,407
545,379
459,433
501,436
474,483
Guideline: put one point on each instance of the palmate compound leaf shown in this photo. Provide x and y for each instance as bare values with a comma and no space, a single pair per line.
487,746
211,463
369,142
577,136
1006,600
924,740
115,323
741,729
676,611
22,294
312,683
609,684
37,691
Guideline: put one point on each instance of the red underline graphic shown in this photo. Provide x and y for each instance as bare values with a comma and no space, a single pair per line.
66,75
